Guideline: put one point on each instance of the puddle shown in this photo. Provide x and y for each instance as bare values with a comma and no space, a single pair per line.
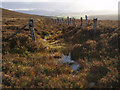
67,59
44,40
75,66
71,63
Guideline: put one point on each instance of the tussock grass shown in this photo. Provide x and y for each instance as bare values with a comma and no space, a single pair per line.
36,64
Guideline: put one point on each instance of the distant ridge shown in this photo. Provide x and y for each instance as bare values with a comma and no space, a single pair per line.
104,17
13,14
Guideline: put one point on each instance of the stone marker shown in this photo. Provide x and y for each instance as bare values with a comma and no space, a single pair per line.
86,20
81,21
31,27
58,21
94,27
68,20
62,21
55,21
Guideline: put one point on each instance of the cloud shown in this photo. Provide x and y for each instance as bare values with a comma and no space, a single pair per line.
39,0
21,9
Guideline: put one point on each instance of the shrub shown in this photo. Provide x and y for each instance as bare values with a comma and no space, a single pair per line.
88,49
21,43
96,71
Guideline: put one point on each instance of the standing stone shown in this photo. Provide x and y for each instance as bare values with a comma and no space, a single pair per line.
55,21
81,21
94,27
58,21
31,27
62,21
68,20
74,22
86,20
52,20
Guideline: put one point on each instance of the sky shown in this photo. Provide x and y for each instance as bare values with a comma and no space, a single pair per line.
105,7
81,4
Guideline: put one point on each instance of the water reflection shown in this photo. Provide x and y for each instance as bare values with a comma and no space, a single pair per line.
71,63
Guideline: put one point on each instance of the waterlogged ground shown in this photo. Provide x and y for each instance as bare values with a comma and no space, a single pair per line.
64,58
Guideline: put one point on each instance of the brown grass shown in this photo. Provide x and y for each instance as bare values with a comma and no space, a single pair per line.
30,64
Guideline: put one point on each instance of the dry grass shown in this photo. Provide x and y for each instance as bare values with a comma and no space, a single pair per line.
30,64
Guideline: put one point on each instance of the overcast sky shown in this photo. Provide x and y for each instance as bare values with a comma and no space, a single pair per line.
88,4
102,6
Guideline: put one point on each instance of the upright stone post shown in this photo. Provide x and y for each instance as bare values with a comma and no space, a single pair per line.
74,22
86,20
58,21
94,27
62,21
81,22
31,27
68,20
72,19
52,20
55,21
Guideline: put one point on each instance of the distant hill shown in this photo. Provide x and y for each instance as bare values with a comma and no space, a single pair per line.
12,14
104,17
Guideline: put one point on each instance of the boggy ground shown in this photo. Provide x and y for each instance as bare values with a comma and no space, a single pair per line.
34,64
